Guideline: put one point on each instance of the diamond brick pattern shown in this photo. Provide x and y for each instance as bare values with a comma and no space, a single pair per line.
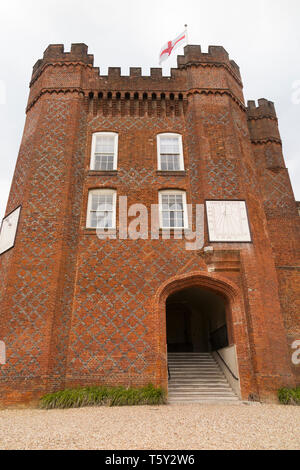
194,158
277,199
32,279
222,178
111,310
71,237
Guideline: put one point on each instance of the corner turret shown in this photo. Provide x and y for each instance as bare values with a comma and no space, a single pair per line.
55,53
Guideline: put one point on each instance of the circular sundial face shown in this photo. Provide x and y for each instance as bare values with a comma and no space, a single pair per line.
228,221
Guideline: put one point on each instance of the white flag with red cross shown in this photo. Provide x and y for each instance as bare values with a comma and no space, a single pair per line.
170,46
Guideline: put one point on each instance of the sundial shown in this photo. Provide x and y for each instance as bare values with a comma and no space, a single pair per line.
9,230
228,221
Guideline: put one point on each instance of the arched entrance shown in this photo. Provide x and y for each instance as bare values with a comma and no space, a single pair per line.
196,321
201,313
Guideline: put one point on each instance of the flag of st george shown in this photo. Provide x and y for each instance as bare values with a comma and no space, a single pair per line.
171,45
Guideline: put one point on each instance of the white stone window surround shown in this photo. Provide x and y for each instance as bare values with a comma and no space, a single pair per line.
170,154
105,157
102,203
173,202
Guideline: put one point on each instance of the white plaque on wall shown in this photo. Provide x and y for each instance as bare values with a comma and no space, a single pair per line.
9,230
228,221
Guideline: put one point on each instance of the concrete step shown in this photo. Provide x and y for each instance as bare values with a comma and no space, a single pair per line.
189,355
199,353
198,383
196,365
204,401
205,375
197,378
189,368
191,364
200,387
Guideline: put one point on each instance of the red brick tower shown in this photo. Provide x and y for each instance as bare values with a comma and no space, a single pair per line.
76,310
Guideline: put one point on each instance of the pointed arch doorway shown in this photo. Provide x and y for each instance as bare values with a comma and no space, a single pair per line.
200,314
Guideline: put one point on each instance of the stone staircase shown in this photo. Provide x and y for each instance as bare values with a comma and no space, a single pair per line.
197,378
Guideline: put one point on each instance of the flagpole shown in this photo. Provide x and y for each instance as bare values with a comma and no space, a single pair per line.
186,33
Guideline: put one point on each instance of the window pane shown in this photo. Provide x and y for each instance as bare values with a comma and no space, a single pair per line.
179,219
109,223
166,219
170,162
169,144
110,162
172,219
102,210
105,144
94,219
172,208
176,163
104,162
163,162
95,202
101,219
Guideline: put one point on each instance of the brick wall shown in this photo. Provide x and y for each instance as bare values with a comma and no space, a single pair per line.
78,310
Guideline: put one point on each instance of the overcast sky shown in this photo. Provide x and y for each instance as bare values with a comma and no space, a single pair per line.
262,36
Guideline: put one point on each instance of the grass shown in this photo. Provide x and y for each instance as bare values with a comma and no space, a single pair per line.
289,396
109,396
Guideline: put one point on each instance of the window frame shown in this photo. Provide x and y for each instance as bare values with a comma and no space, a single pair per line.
158,142
93,149
184,203
89,207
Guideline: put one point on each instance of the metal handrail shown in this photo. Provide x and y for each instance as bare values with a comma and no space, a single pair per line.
233,375
220,328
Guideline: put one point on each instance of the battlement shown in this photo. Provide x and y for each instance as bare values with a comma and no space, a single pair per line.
135,72
215,54
192,55
56,53
265,109
63,72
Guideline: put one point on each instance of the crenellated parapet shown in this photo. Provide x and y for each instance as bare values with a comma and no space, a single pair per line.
216,56
55,53
73,72
264,110
262,122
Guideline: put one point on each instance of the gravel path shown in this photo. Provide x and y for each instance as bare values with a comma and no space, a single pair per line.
167,427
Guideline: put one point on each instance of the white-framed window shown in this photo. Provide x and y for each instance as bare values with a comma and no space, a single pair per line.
173,209
104,151
170,152
101,208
